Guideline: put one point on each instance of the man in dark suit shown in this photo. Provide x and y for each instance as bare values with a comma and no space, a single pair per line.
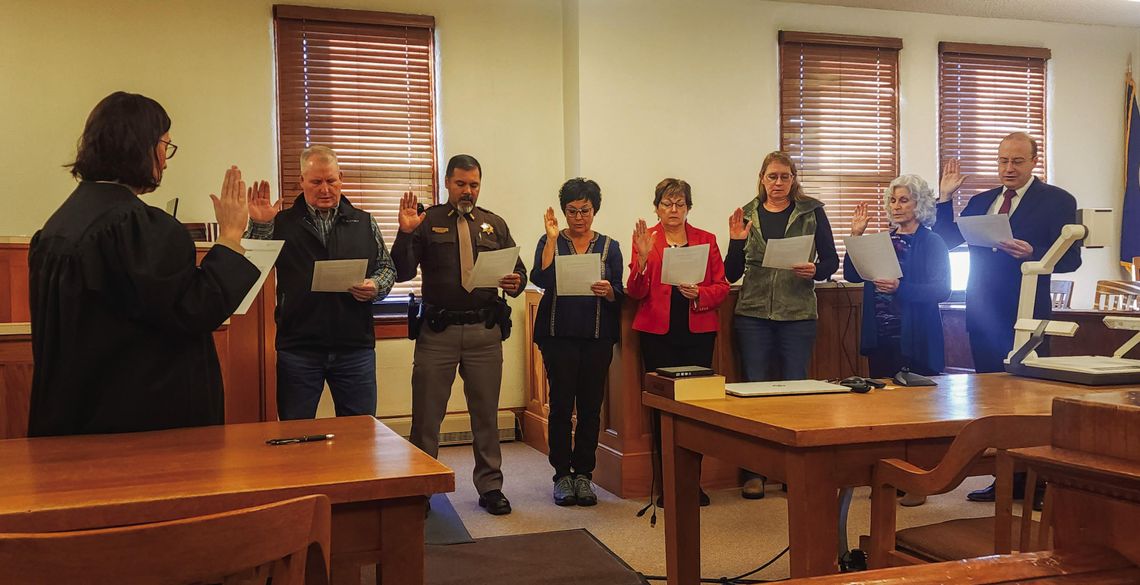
1037,212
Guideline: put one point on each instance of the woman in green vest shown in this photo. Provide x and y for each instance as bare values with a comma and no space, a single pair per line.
775,318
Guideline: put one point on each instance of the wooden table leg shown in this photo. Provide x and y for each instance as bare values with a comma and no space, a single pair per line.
813,514
401,543
681,469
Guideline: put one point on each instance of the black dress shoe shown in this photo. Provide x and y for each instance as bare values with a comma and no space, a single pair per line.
988,494
495,503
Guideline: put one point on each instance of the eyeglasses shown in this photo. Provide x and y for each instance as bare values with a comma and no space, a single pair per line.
678,205
171,148
773,177
584,212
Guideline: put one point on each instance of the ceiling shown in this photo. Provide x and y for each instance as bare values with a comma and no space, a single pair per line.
1125,13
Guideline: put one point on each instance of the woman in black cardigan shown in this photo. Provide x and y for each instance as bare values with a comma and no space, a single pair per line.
902,326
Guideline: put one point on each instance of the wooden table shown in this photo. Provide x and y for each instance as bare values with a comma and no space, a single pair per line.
820,443
376,480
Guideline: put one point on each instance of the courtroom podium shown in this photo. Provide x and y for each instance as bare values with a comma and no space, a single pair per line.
624,461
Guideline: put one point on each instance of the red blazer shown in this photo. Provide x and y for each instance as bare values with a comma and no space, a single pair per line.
653,310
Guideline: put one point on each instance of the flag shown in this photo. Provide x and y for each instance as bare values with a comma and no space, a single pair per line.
1130,210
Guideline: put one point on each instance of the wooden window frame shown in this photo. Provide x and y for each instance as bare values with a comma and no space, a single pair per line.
872,184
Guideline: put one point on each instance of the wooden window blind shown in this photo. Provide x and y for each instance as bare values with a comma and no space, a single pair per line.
361,83
985,93
839,120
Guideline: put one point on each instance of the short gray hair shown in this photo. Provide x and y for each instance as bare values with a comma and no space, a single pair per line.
924,200
323,153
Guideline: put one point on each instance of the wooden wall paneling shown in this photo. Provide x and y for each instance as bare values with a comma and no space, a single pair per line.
15,384
14,307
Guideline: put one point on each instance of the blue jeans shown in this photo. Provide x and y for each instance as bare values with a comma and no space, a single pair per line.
765,343
301,377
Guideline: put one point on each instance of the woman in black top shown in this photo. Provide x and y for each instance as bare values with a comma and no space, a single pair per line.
576,335
122,319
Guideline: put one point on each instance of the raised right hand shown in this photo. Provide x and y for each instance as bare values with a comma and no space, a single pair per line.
410,218
643,240
860,219
952,179
231,208
551,223
737,229
260,210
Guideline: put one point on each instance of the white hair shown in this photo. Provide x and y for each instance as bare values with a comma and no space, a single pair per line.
924,200
322,153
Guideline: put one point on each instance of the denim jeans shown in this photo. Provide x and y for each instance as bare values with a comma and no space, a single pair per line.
765,343
301,377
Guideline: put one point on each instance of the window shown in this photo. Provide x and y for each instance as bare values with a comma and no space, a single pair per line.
839,120
362,84
985,93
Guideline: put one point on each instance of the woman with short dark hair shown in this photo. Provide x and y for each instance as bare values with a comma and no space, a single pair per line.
122,319
576,335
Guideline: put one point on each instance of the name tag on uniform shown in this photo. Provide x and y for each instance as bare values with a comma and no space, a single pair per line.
440,230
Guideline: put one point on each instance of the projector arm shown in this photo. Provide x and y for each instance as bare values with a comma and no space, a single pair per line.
1070,234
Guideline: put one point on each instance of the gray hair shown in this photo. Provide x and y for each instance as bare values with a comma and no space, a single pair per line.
924,199
322,153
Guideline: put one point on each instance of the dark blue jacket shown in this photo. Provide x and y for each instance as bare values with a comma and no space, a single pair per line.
578,317
925,283
995,277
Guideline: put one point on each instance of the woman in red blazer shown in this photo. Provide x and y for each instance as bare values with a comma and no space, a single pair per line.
677,324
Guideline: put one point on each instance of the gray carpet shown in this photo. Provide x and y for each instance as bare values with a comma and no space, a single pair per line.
565,557
443,524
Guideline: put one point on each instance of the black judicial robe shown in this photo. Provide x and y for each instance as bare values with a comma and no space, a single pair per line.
122,319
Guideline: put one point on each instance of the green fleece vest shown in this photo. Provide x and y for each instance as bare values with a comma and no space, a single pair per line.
770,293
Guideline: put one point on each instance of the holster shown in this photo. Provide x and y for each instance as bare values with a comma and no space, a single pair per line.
501,315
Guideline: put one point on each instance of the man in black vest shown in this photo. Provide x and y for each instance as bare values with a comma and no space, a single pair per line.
323,336
463,326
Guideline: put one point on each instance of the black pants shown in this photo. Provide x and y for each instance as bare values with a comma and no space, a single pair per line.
576,370
664,351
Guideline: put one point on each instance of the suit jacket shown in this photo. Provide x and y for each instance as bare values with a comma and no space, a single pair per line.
653,310
995,277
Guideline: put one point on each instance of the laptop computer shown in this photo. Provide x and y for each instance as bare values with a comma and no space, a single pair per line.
783,388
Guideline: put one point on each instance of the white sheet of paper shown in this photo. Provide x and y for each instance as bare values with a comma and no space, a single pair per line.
685,265
874,256
338,275
784,252
263,253
576,273
492,266
985,230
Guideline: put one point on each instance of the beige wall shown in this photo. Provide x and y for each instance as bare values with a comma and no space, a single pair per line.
690,89
625,92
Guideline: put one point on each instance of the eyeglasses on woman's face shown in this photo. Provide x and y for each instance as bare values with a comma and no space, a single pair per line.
171,148
678,204
579,212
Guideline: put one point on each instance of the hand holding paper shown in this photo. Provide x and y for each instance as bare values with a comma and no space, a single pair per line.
491,267
338,275
684,265
577,274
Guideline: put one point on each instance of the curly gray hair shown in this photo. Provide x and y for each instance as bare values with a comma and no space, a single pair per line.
924,198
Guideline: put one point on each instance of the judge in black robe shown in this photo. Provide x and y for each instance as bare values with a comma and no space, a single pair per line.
122,319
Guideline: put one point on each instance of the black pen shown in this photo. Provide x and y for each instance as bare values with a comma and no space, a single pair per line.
304,439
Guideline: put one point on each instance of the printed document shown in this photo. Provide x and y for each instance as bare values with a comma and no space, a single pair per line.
685,265
492,266
874,256
575,274
263,253
985,230
338,275
784,252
